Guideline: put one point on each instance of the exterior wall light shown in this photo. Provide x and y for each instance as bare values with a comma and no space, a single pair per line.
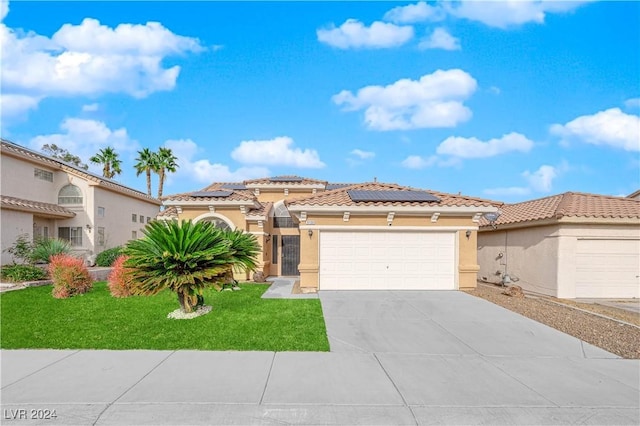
468,233
310,232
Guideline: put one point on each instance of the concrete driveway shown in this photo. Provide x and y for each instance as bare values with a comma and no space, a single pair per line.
396,358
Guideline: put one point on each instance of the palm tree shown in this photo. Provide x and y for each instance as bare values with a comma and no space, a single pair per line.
186,257
166,162
108,157
146,162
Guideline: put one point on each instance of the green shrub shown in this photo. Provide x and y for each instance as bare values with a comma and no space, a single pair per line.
70,276
107,257
43,249
21,249
21,273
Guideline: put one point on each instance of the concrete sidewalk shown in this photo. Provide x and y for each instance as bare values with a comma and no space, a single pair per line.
397,358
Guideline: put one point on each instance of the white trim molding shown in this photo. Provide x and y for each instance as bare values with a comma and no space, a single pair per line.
426,210
345,216
390,216
386,228
434,217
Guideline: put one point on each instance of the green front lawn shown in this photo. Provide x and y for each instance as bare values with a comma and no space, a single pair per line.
240,320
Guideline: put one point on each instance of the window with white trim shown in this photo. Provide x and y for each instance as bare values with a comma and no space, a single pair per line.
43,174
70,194
72,234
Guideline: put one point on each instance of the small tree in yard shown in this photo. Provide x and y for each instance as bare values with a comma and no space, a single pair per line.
184,257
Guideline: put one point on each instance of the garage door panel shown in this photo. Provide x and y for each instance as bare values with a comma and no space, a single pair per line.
387,260
608,268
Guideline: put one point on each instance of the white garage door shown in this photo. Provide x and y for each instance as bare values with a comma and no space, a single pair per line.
387,260
608,268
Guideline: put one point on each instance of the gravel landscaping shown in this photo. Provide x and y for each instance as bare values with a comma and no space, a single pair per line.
619,333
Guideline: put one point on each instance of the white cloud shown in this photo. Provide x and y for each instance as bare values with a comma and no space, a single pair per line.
542,179
354,34
417,12
276,152
85,138
435,100
4,9
632,103
16,105
363,155
90,107
416,162
440,39
202,170
611,127
91,59
494,90
508,13
475,148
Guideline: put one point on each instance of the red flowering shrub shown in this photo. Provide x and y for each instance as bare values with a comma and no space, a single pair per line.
70,276
120,280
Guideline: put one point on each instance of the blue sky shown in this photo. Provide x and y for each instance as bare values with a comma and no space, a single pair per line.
503,100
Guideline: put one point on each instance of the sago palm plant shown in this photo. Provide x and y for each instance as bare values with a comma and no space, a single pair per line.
244,251
186,257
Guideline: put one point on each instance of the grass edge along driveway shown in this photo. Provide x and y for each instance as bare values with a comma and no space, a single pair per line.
240,320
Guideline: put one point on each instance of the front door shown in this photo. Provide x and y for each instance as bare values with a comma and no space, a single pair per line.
290,254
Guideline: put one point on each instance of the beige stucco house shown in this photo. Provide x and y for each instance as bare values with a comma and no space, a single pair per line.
43,197
571,245
347,236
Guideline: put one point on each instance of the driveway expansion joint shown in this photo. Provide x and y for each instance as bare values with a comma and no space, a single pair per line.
109,404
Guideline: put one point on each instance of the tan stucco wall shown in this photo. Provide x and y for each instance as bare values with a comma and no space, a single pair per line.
528,254
117,220
278,195
12,225
544,257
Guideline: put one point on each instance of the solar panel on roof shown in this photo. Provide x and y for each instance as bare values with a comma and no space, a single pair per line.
285,179
234,185
211,194
362,195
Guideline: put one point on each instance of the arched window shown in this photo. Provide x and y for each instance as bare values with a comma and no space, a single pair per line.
281,211
217,222
70,194
281,216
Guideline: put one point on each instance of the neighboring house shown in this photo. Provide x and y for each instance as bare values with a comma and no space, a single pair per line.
44,197
635,195
347,236
570,245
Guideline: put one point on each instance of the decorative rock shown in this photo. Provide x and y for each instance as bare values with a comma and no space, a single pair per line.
178,314
259,277
514,291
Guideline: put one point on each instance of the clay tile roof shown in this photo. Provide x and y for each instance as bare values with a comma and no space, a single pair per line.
170,212
569,204
238,195
340,197
263,210
51,210
295,180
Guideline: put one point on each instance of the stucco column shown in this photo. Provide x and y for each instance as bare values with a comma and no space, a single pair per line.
467,259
